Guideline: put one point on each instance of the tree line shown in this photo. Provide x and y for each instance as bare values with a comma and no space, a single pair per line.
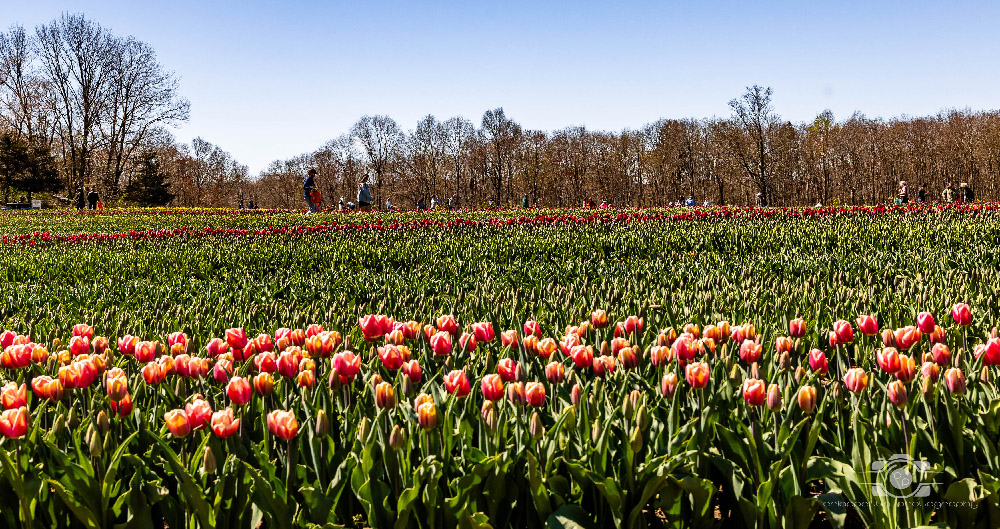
749,156
83,107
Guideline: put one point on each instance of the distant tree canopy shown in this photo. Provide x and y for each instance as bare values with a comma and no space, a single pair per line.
26,166
80,105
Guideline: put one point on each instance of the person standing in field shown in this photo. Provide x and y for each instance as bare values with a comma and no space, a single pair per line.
308,184
80,200
524,202
948,194
92,199
364,197
968,196
904,192
922,194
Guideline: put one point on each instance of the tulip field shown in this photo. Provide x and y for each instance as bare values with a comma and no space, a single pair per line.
705,368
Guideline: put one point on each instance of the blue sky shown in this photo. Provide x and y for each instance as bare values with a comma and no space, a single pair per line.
272,79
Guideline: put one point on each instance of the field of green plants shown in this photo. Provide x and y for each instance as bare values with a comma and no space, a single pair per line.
514,368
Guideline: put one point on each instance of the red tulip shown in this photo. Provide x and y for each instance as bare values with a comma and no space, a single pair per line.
867,325
263,384
806,398
783,344
239,391
99,344
385,396
79,345
391,357
668,384
347,364
754,391
427,415
545,347
395,337
515,393
962,314
991,352
604,365
447,324
14,423
534,393
441,343
282,424
288,364
370,327
941,354
7,339
887,360
223,423
954,379
198,413
84,330
14,396
555,372
844,332
633,325
599,319
177,423
216,347
774,398
797,328
907,337
265,344
925,322
532,327
412,370
467,342
685,349
888,338
897,393
410,330
152,373
198,367
492,387
122,408
627,358
457,383
907,368
817,361
508,369
749,351
938,335
15,357
178,338
509,338
696,374
266,362
222,369
856,380
930,370
483,332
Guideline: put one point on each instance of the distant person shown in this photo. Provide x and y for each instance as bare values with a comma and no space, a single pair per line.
904,192
241,204
308,184
604,205
364,197
451,203
92,199
707,203
388,205
341,205
524,202
251,205
948,193
922,194
421,205
490,203
80,198
760,199
968,196
689,201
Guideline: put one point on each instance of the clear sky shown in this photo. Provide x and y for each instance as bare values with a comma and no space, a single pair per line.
272,79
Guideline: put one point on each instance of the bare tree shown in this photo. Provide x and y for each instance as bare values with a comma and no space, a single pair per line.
750,138
381,139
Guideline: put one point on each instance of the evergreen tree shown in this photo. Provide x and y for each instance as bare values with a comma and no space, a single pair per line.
150,186
26,166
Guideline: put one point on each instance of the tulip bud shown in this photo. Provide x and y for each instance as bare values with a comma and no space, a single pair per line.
575,394
489,415
58,425
605,350
800,374
72,421
103,423
596,431
397,438
208,463
984,375
363,430
94,442
755,370
954,379
735,376
642,417
774,398
322,424
927,388
668,385
807,398
535,426
784,361
635,440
